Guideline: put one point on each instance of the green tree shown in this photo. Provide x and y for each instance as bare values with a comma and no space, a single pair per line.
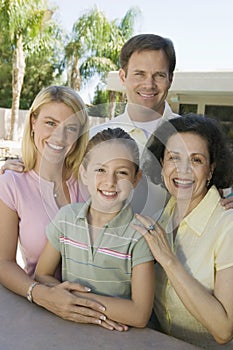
28,29
100,106
95,46
5,69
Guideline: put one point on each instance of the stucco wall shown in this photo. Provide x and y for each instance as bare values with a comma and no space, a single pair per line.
5,118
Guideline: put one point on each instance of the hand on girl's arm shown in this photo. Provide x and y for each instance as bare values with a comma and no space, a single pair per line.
62,298
118,312
137,310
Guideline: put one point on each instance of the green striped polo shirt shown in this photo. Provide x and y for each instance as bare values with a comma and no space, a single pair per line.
105,267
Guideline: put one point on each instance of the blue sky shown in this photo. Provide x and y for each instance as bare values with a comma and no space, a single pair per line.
201,30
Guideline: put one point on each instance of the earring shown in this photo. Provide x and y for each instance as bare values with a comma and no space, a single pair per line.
162,181
207,183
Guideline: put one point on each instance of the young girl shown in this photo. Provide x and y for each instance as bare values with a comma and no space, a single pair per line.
97,245
54,141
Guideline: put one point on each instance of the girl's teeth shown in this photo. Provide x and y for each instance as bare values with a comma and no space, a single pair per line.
106,193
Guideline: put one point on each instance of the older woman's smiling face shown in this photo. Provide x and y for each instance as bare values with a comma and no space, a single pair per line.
186,167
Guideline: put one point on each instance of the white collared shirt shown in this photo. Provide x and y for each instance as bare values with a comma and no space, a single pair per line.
140,131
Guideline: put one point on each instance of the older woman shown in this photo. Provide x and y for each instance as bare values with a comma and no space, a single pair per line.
192,241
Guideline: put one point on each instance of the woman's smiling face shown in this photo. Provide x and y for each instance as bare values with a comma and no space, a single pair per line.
186,167
56,129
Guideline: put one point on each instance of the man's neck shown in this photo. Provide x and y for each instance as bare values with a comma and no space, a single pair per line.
142,114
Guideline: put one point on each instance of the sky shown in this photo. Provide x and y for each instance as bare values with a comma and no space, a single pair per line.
201,30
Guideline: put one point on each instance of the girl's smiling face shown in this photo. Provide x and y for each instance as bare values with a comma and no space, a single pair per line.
186,167
110,175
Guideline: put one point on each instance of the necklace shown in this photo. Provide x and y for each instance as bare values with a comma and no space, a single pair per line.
57,190
61,193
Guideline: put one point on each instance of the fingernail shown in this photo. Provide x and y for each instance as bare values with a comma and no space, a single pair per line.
102,317
98,321
102,308
87,289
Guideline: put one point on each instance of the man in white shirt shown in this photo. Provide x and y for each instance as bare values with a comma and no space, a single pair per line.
147,66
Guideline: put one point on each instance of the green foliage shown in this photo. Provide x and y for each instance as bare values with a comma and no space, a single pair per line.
35,79
5,69
101,104
92,49
93,65
95,45
43,44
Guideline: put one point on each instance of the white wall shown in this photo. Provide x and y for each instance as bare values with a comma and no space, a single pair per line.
5,118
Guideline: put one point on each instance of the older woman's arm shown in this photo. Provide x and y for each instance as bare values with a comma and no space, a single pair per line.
214,311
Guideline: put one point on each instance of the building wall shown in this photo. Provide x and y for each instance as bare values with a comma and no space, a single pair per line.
10,148
201,100
201,88
5,119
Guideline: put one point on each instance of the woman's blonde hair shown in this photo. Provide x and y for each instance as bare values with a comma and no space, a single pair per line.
72,99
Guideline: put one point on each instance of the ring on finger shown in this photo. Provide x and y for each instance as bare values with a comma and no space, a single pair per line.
151,228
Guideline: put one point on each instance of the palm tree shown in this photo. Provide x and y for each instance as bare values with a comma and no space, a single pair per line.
28,27
95,46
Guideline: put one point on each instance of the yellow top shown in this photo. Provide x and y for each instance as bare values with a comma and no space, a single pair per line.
204,245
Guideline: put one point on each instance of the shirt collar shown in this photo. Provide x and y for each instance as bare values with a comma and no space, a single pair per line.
168,113
123,218
199,217
125,120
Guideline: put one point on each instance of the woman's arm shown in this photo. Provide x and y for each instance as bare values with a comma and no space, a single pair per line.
135,312
12,164
45,271
215,312
227,202
12,275
47,265
57,299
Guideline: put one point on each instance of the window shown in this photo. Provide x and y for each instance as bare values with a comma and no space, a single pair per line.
185,108
224,114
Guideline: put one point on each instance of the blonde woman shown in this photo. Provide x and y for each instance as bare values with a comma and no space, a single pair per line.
54,141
